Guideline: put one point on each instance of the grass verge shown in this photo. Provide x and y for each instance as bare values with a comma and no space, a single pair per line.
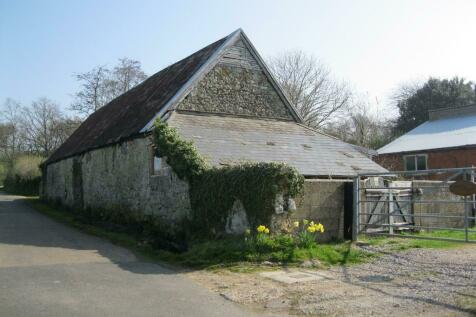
231,253
395,244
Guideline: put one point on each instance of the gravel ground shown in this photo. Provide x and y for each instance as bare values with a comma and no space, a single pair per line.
417,282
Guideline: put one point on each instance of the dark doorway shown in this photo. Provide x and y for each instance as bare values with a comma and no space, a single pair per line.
348,209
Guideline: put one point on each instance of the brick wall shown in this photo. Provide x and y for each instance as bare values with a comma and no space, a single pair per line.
446,158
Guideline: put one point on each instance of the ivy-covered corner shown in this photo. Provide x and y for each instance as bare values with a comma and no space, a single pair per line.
261,189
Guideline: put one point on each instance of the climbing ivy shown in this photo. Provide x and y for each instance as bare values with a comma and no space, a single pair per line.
214,190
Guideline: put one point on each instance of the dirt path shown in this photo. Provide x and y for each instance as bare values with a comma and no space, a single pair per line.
418,282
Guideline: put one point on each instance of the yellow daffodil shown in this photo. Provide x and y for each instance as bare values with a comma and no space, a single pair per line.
261,228
311,229
266,230
296,224
311,224
321,228
304,221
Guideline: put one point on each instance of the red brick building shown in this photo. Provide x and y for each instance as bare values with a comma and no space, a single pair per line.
447,140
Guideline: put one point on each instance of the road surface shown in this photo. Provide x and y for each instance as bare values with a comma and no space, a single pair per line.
49,269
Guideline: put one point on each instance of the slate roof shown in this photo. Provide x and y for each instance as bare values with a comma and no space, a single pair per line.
226,140
223,139
449,132
126,115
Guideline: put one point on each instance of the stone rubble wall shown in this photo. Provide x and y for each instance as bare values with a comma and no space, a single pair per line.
235,90
237,85
118,177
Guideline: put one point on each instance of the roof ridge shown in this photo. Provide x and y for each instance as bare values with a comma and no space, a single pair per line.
126,114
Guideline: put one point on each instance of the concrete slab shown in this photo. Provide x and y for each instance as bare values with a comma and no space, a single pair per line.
295,276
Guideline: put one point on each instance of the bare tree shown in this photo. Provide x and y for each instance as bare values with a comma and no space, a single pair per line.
101,85
10,132
40,126
94,92
310,86
405,90
127,74
361,126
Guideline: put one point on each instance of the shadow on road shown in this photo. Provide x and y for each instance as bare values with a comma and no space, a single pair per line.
21,225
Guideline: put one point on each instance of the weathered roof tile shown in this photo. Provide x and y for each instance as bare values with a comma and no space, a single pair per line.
126,115
233,139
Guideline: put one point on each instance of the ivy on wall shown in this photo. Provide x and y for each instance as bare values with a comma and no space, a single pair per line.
214,190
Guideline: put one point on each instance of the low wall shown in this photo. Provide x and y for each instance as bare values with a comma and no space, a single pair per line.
323,201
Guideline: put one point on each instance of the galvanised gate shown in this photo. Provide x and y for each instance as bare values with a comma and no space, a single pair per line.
409,203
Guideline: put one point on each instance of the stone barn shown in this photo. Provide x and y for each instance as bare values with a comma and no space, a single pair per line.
222,97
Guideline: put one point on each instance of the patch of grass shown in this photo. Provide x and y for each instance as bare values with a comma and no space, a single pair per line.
449,234
236,255
3,172
232,253
397,244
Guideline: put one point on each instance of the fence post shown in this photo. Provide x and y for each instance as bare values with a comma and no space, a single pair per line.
472,206
466,207
356,209
390,211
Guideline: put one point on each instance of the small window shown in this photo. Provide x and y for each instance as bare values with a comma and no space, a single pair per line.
410,163
421,162
415,162
157,165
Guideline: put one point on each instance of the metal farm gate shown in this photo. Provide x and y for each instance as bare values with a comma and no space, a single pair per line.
439,203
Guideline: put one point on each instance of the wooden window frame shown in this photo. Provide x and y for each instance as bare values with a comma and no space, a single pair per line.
415,158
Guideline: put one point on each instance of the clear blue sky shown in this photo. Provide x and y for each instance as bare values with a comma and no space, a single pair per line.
374,45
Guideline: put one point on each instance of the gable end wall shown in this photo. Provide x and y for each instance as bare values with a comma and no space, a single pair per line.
237,85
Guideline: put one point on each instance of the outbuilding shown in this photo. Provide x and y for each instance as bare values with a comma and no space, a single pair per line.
225,100
446,140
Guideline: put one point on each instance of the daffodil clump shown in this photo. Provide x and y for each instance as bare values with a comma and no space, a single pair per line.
262,229
260,241
307,232
303,236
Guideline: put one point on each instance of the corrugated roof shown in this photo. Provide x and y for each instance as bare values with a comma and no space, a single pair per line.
227,140
437,134
126,115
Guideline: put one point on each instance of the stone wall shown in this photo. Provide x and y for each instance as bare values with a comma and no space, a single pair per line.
236,85
323,201
235,90
118,177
